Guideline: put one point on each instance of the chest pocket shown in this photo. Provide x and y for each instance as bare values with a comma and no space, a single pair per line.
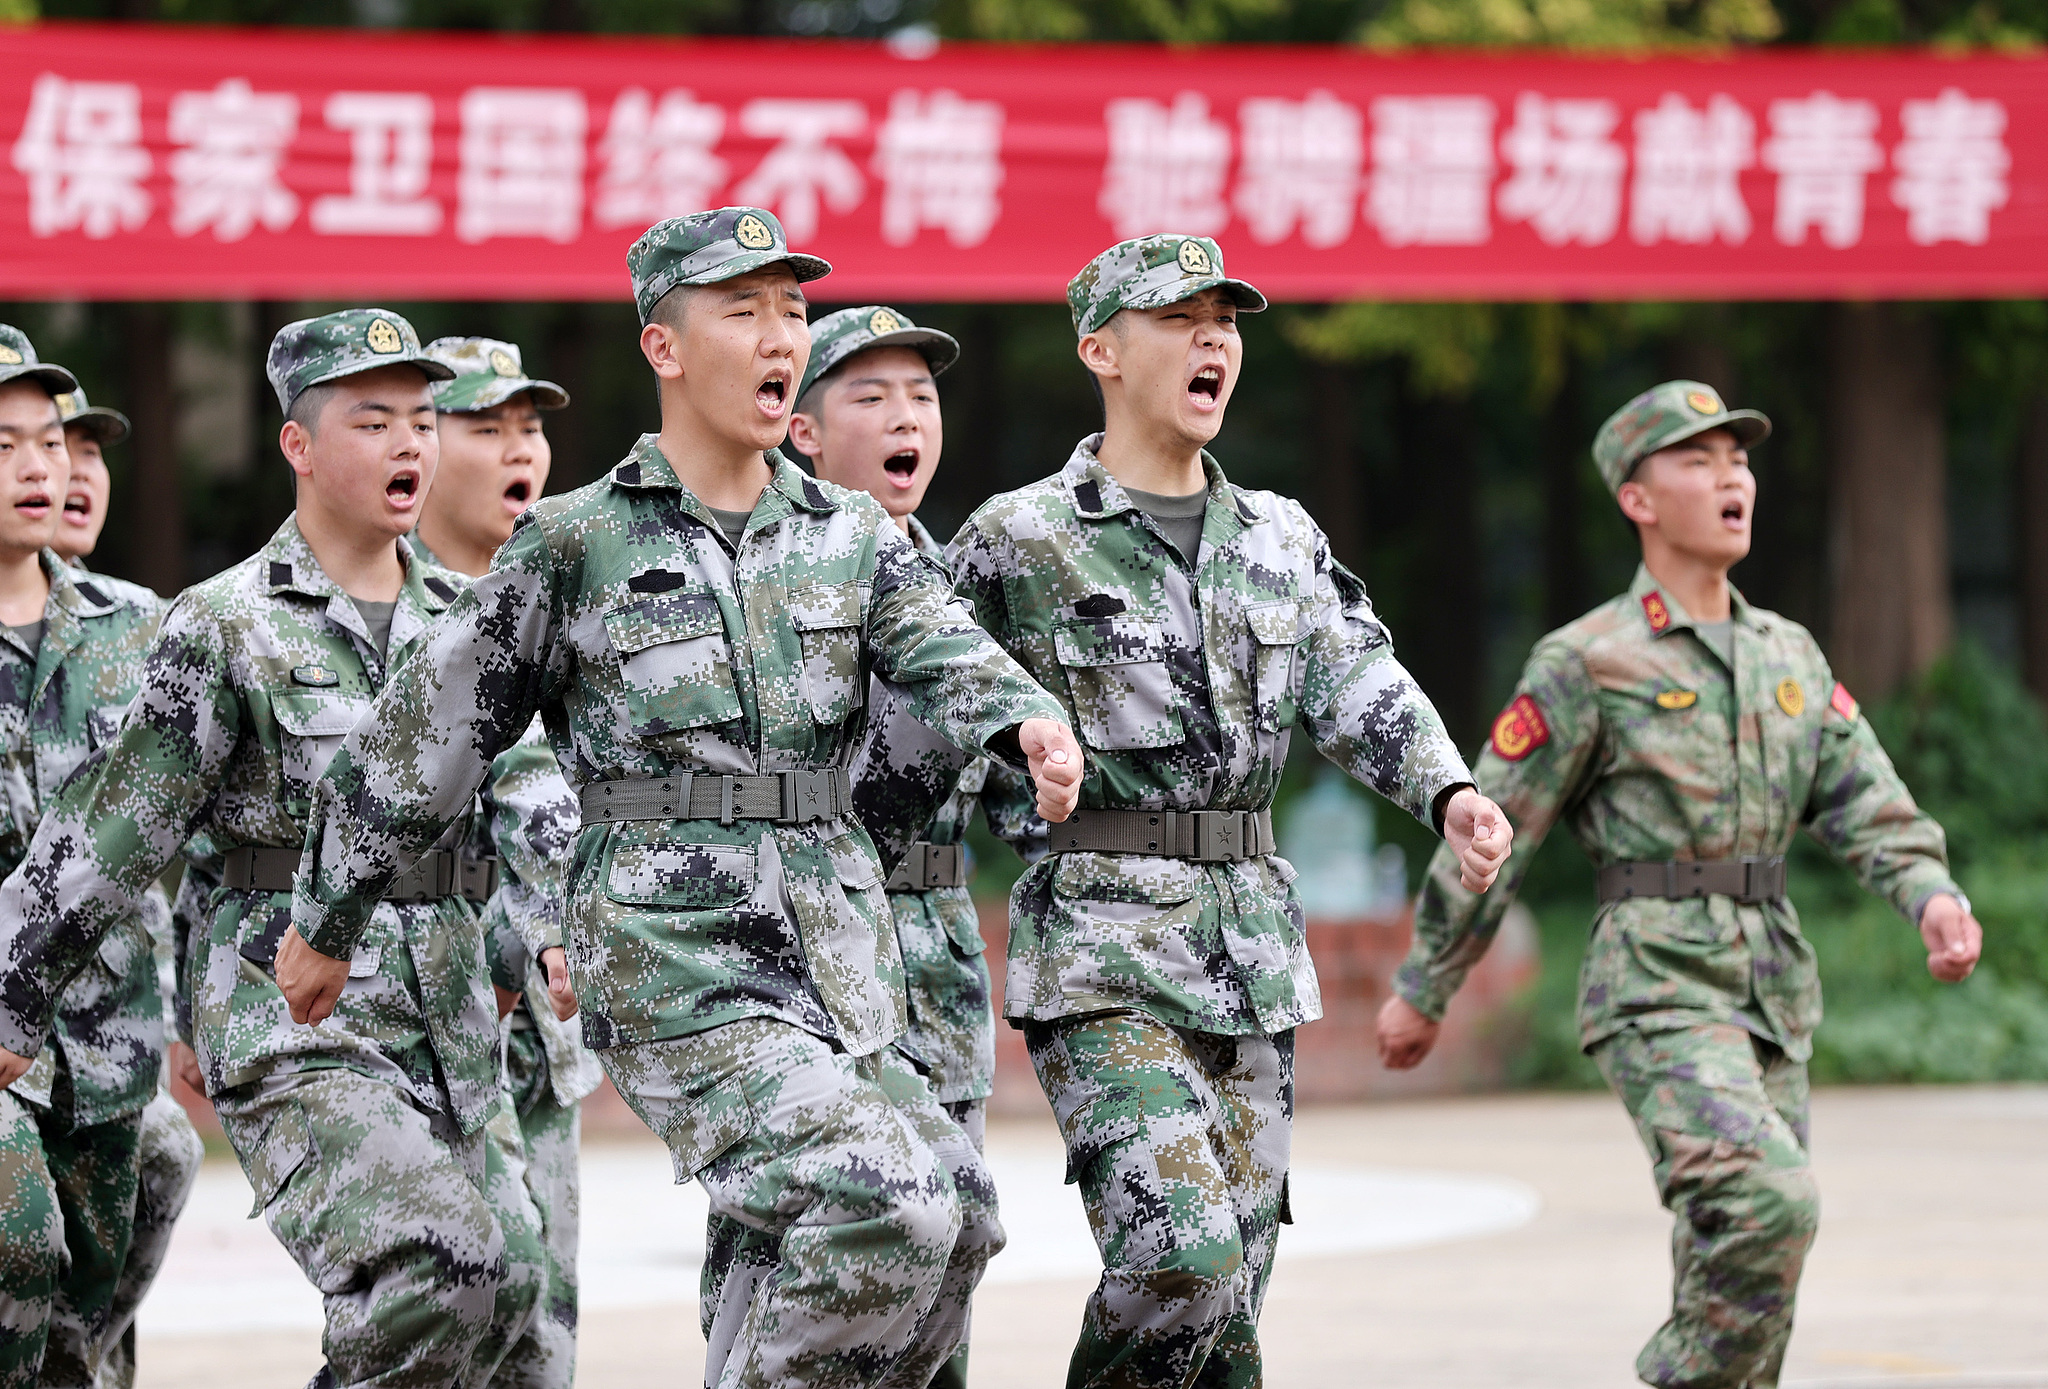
827,618
310,728
1277,632
674,662
1116,671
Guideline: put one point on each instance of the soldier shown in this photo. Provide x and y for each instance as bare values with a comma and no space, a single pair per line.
71,1125
696,631
169,1148
364,1141
867,416
1684,737
1157,962
494,464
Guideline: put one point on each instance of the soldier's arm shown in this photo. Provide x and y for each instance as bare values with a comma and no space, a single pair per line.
1535,765
1012,813
902,773
410,767
533,818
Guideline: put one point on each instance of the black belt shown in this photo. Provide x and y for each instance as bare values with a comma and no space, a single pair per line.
788,798
1211,836
927,865
436,874
1747,880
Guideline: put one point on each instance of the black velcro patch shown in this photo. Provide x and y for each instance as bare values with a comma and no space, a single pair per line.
627,472
91,594
658,581
440,588
1088,496
280,573
1099,605
814,496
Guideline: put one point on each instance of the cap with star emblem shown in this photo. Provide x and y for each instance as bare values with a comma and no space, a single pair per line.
706,247
314,351
488,372
106,426
1150,272
1666,415
838,336
18,362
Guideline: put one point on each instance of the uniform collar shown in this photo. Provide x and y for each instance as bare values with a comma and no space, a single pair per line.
789,487
288,566
1663,613
923,542
1097,496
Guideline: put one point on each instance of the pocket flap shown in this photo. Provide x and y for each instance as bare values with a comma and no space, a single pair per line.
825,605
1097,1125
1275,624
852,862
662,617
963,927
707,1126
309,714
1110,641
1127,878
364,962
284,1148
671,873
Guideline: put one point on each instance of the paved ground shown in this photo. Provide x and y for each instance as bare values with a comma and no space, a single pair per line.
1509,1242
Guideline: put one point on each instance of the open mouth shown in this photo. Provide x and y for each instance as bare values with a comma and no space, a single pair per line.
403,490
901,467
1207,387
35,506
78,508
772,396
1732,513
518,494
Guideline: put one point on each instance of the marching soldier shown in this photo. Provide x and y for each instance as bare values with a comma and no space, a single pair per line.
696,631
71,1125
494,464
364,1140
1683,737
1157,960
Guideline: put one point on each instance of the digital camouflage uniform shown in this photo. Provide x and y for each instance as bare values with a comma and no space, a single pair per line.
1159,995
363,1137
1630,728
738,975
548,1071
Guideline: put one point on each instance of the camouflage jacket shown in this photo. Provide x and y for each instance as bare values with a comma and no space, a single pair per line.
1184,687
911,784
1628,727
649,649
255,677
107,1038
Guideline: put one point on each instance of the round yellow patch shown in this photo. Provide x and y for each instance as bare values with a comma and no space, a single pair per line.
502,363
882,322
67,404
752,233
1703,401
1677,699
382,336
1791,698
1194,259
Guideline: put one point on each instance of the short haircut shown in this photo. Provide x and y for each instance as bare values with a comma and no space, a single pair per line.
670,309
307,405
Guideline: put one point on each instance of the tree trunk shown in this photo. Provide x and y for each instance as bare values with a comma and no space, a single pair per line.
1564,464
1893,613
2032,495
159,551
1339,490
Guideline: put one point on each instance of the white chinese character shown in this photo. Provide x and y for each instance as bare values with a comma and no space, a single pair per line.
1689,163
1432,160
1299,165
81,150
391,156
941,161
1166,167
1822,149
226,176
1952,166
522,163
1567,179
658,159
804,167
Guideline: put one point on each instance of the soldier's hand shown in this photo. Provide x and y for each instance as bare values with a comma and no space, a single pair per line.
1406,1035
1055,759
311,982
185,1066
12,1067
561,993
1479,834
1954,939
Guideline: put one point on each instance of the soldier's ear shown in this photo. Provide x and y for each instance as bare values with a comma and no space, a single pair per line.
1097,351
662,345
295,442
1635,503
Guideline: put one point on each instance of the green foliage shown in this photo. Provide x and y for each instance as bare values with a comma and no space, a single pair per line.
1596,24
1444,345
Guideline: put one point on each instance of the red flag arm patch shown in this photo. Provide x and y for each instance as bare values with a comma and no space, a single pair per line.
1520,730
1844,703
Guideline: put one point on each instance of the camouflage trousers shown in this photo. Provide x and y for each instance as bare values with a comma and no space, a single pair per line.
550,1133
1179,1141
850,1217
972,1117
1723,1115
67,1202
170,1156
422,1241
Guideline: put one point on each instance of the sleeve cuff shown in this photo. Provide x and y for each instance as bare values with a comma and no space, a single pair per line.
1412,983
20,1036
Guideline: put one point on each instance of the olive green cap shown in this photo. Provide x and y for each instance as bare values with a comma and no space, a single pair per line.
838,336
488,372
1666,415
1150,272
314,351
104,424
18,361
706,247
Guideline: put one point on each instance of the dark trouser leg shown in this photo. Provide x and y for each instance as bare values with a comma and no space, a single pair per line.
31,1245
95,1170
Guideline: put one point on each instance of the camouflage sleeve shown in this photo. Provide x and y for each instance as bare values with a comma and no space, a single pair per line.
1362,707
902,773
188,934
115,825
410,768
1863,813
961,683
1010,807
533,818
1534,769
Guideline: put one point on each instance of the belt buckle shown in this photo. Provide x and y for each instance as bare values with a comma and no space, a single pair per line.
1219,836
941,865
806,795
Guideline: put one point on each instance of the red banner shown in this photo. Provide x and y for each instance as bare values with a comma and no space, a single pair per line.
186,162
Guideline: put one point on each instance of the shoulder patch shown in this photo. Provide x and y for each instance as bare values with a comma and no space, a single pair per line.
1844,703
440,588
1088,495
280,573
1519,730
1656,612
91,594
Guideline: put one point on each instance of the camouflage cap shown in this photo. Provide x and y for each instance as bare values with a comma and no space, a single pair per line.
106,425
838,336
18,361
1150,272
1666,415
314,351
488,372
706,247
